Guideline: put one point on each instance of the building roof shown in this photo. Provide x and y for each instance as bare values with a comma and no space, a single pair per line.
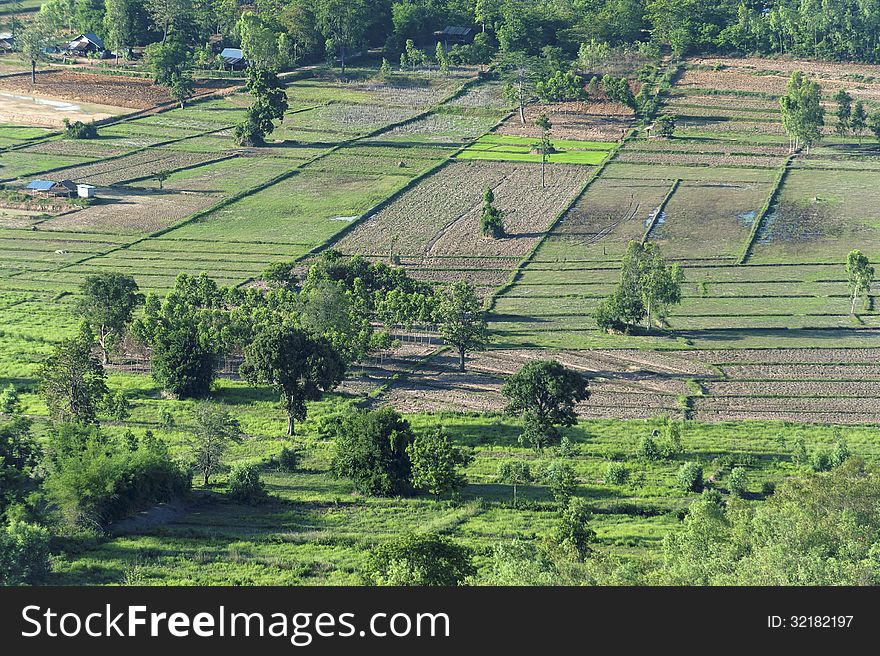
91,37
41,185
232,55
454,30
48,185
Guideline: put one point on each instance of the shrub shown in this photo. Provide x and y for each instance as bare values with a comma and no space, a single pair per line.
245,485
566,448
739,480
420,560
573,534
768,488
690,477
288,459
80,130
617,474
24,554
821,461
648,449
371,450
561,479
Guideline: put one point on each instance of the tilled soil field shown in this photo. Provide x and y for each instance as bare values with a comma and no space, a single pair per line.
631,384
601,121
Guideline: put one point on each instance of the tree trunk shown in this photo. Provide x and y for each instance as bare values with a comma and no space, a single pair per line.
514,495
342,59
522,112
543,161
290,424
461,359
852,309
33,71
206,479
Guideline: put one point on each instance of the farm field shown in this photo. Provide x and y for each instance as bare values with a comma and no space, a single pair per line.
761,357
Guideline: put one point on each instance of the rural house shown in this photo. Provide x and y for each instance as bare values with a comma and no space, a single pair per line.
85,44
454,34
6,42
233,58
53,189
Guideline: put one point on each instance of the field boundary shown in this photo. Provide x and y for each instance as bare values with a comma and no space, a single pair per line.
659,210
765,210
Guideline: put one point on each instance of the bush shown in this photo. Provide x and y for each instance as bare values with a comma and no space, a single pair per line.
288,459
371,450
739,480
617,474
768,488
648,449
420,560
561,479
24,554
690,477
80,130
245,485
95,481
573,534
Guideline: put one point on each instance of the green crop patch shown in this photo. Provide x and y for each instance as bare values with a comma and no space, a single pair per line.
503,148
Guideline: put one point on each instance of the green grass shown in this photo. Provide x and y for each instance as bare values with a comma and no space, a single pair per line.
503,148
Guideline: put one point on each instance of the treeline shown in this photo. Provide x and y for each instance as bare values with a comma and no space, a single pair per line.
284,32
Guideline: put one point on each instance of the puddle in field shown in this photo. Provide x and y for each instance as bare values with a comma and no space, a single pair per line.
746,219
57,105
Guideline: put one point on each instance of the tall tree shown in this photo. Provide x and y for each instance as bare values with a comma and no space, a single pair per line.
73,381
269,104
543,123
859,120
299,366
844,111
30,44
119,26
545,394
215,430
462,320
343,23
802,113
107,302
860,275
518,73
169,15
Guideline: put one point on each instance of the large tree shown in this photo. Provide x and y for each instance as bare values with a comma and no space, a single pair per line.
120,26
107,302
860,275
545,394
518,72
73,381
420,559
462,320
30,44
169,15
301,367
371,450
343,23
269,104
802,113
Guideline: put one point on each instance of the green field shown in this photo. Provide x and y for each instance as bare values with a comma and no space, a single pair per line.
503,148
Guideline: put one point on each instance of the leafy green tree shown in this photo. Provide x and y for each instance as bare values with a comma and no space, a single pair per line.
269,104
107,303
462,320
300,367
73,381
514,473
617,90
664,126
492,218
263,45
120,27
215,431
859,120
545,126
560,478
573,534
521,563
648,449
10,402
343,23
544,394
874,124
372,451
844,112
738,482
187,332
423,559
19,460
560,86
802,113
690,477
435,462
442,59
860,275
181,87
245,485
167,61
30,43
24,554
170,16
617,473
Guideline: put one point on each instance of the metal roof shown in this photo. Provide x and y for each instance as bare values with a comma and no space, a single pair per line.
232,53
41,185
91,37
454,30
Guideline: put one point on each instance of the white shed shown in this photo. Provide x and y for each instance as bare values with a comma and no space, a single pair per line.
85,191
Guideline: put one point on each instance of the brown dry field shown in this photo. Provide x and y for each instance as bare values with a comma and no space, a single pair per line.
583,121
128,210
633,384
112,90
